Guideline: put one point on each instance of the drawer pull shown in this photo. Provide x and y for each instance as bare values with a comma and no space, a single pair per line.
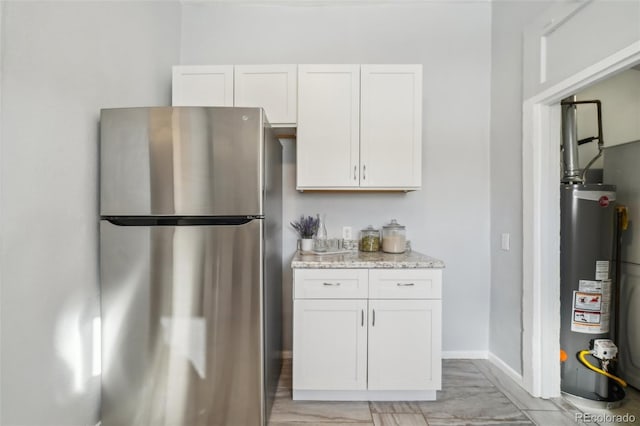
331,284
361,317
405,284
373,323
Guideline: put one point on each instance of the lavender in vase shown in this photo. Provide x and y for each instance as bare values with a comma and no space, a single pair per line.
306,228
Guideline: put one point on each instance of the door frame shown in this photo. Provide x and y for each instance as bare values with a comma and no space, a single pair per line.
541,221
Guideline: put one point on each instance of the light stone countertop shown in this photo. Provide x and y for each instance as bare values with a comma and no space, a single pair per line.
359,259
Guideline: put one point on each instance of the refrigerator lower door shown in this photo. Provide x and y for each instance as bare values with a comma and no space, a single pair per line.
182,338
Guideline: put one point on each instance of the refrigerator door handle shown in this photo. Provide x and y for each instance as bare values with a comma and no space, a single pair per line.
179,220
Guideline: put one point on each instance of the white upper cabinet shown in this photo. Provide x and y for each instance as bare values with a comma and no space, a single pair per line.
272,87
202,85
391,126
328,126
359,127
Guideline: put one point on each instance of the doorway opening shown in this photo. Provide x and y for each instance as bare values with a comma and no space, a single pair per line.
541,221
595,353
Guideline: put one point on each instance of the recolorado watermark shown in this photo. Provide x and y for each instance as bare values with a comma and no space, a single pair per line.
605,418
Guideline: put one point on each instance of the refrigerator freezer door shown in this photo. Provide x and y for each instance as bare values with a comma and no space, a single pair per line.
181,161
182,317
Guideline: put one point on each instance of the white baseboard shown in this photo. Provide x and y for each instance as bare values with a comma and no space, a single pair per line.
506,369
465,354
364,395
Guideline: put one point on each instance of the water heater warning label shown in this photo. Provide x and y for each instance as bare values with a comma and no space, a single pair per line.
591,307
587,301
583,317
602,270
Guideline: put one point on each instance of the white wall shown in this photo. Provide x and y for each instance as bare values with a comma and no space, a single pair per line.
449,217
620,97
508,21
572,36
64,61
61,63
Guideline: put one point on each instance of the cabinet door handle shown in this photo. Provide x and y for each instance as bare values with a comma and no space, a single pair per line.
373,323
361,317
331,284
364,172
355,170
405,284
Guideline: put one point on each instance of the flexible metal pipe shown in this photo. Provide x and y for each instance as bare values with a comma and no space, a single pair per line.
571,169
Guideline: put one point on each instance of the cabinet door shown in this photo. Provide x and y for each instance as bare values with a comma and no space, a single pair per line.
391,126
328,126
272,87
404,344
202,85
329,344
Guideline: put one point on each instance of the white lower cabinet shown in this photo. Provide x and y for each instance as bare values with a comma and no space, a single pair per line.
404,336
330,338
381,342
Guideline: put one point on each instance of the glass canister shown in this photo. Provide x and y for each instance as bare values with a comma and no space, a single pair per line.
394,237
369,239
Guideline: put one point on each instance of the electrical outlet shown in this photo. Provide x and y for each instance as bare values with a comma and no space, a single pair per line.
506,243
347,233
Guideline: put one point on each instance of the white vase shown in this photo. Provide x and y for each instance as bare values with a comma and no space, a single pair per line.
306,244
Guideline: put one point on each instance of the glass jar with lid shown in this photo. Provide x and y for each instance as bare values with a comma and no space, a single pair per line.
394,237
369,239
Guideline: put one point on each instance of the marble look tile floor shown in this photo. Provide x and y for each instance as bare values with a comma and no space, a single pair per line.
474,392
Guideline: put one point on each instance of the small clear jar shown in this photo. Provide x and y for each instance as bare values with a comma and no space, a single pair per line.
369,239
394,237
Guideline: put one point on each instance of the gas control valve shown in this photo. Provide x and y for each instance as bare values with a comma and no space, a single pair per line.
604,349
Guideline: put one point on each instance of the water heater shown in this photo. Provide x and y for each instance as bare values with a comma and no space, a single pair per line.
586,254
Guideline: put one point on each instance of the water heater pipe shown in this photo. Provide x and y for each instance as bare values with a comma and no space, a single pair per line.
571,169
570,140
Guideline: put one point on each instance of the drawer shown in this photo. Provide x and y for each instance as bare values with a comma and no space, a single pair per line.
405,284
330,283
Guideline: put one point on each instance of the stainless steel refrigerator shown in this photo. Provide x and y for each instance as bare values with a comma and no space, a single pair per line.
190,266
